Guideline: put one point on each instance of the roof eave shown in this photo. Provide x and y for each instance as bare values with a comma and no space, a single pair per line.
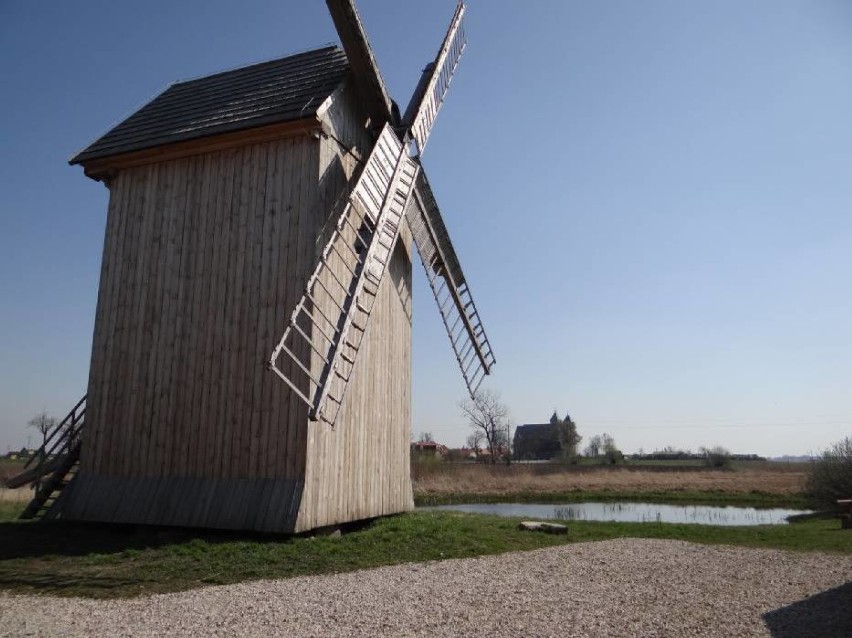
102,167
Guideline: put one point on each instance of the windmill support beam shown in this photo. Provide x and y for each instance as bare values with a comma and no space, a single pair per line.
417,96
362,61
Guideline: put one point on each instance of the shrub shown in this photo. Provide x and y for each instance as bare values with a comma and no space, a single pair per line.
613,456
716,456
830,476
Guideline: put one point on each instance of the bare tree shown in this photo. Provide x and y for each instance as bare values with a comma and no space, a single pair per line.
611,452
474,442
594,446
830,475
43,423
489,418
426,437
603,446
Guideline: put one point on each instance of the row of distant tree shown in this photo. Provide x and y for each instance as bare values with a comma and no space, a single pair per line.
672,454
488,419
43,424
602,446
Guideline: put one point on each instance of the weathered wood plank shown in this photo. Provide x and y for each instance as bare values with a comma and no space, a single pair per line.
129,420
255,277
196,440
213,461
101,364
230,432
270,248
178,319
276,434
301,260
223,345
113,424
153,327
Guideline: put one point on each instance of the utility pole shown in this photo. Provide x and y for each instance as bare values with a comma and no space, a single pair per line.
508,443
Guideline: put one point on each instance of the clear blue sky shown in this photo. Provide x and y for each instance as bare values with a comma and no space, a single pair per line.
651,200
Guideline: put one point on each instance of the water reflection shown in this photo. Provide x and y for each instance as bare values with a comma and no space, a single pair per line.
633,513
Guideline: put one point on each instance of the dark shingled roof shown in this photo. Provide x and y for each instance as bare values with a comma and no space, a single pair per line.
533,427
282,90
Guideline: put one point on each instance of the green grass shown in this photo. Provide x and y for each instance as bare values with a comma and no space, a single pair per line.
667,463
691,497
115,561
10,511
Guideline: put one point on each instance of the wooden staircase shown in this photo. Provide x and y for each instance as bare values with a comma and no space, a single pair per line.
52,468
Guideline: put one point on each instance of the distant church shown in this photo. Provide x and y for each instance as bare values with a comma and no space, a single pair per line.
538,441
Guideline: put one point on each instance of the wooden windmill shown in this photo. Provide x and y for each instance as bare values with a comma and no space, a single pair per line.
260,230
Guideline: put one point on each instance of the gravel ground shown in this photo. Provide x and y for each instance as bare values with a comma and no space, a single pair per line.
627,587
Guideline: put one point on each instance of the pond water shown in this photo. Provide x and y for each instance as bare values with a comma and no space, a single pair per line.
632,513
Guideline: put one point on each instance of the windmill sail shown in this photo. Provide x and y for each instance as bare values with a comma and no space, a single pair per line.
317,353
452,294
429,96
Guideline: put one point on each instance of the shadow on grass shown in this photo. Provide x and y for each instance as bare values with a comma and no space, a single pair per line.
826,614
41,539
94,586
96,560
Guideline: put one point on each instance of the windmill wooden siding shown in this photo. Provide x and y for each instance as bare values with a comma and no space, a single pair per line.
208,246
361,468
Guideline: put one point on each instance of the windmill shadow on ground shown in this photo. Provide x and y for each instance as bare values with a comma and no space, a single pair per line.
826,614
38,540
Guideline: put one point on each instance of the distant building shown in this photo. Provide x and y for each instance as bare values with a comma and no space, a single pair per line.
430,448
536,441
460,454
485,452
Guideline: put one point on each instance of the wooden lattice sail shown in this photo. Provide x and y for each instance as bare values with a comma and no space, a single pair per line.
449,287
384,192
332,316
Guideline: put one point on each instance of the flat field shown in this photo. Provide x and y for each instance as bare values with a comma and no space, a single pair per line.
21,495
755,482
762,483
8,469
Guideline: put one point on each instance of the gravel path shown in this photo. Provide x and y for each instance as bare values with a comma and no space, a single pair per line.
627,587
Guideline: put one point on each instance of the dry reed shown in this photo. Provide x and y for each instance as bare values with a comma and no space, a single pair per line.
483,479
19,495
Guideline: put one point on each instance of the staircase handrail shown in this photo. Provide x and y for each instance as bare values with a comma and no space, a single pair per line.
68,429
